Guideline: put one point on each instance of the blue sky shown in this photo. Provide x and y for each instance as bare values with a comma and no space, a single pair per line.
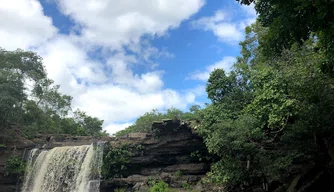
119,59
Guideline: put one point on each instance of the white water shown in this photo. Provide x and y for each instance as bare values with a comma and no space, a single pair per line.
64,169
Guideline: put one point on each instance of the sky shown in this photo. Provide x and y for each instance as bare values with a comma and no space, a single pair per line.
121,58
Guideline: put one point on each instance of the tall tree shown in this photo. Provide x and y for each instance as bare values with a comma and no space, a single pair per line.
49,98
31,101
17,68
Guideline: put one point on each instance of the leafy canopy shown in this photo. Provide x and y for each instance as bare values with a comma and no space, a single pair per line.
269,114
30,100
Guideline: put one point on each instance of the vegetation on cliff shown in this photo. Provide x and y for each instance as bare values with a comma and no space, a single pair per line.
144,122
116,160
30,102
15,167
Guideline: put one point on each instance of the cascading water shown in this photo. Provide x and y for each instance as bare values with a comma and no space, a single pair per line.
64,169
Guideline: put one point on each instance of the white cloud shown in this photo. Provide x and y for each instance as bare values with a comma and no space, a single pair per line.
198,90
114,127
23,24
107,88
64,59
116,103
226,63
118,23
224,30
224,27
121,73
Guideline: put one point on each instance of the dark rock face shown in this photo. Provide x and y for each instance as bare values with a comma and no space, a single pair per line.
166,156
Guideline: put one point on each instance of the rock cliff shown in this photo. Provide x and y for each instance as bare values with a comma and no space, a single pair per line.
167,153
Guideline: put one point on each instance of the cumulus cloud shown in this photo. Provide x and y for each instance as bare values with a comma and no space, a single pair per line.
116,103
108,87
224,26
226,64
118,23
23,24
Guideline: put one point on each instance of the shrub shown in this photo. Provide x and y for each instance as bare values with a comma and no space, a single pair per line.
160,186
186,186
115,161
178,173
14,167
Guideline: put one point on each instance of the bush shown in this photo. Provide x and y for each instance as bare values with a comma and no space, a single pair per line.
14,167
115,161
178,173
186,186
160,186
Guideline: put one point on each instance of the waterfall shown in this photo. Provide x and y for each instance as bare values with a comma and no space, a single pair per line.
64,169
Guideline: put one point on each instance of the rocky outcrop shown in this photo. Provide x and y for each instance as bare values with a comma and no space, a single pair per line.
166,154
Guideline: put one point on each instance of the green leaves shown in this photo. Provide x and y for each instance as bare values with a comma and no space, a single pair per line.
115,161
14,167
294,22
16,68
269,113
160,186
144,122
29,99
90,125
50,99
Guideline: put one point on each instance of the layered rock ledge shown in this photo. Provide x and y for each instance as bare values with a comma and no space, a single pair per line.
165,154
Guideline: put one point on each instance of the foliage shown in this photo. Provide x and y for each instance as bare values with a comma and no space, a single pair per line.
144,122
291,22
160,186
203,156
14,167
179,173
89,125
17,67
269,114
115,161
33,103
186,186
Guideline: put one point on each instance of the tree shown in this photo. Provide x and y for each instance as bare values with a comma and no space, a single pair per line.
269,115
16,69
88,125
173,113
50,99
291,22
33,103
144,122
194,108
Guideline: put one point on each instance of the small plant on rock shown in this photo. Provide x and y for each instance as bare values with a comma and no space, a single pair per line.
160,186
186,186
115,161
179,173
15,167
